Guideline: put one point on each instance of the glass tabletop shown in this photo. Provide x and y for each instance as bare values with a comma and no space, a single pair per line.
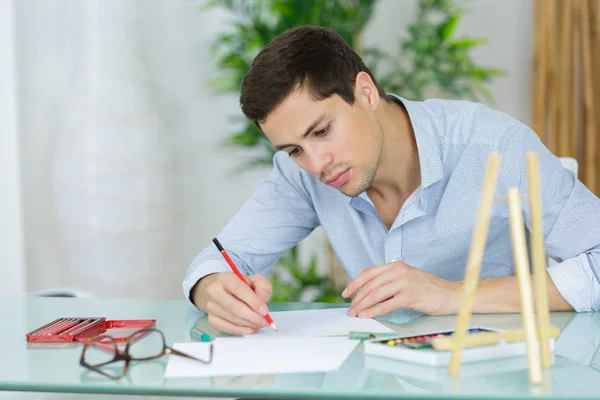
55,368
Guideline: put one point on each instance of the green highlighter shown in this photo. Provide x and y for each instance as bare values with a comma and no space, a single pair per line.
369,335
197,334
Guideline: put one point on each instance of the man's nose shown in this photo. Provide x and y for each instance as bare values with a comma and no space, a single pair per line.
320,159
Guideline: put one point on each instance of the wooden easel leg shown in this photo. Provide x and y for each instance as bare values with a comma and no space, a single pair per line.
474,262
538,259
546,388
521,263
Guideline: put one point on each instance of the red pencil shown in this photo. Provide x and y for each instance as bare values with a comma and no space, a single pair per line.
239,275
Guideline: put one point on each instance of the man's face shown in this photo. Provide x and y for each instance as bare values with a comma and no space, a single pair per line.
338,143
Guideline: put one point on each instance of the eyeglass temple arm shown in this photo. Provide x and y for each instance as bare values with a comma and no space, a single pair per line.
179,353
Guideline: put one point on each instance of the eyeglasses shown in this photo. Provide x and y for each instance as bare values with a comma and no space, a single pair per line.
101,354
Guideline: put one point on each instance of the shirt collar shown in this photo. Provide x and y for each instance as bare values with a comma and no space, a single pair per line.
430,158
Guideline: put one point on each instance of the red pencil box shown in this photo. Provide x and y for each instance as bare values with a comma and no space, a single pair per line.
79,329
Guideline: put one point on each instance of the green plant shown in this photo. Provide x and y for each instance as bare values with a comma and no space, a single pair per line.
302,280
431,62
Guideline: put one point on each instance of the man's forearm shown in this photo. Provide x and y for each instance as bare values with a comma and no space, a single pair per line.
501,295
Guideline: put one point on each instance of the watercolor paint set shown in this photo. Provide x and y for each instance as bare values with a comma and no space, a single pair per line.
421,348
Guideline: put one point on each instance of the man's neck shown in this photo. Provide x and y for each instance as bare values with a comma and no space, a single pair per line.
399,172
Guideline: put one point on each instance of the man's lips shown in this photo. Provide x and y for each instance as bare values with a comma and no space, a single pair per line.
338,179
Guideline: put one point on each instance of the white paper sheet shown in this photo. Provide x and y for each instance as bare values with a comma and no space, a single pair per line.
326,322
240,356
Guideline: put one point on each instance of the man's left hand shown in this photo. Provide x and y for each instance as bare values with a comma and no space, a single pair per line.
395,285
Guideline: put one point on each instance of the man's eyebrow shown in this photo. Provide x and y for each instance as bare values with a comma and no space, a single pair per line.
312,126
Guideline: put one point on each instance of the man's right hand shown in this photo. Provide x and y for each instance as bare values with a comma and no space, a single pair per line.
232,306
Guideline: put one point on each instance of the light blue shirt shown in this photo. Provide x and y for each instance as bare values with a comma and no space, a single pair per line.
434,227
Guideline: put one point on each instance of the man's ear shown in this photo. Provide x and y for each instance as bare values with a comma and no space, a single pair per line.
365,91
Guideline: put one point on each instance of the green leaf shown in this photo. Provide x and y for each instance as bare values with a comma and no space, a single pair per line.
467,43
293,253
312,269
243,139
446,29
485,73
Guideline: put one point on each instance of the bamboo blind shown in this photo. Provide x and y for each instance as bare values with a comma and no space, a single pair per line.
566,82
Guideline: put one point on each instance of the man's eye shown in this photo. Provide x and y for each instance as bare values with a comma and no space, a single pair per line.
294,151
322,132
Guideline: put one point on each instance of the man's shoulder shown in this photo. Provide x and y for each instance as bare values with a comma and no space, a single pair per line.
286,170
462,121
452,110
444,106
282,163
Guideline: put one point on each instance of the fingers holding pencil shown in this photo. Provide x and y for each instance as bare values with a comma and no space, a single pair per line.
261,286
245,280
235,303
232,306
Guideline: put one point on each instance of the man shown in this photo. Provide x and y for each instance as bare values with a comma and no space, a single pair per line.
396,186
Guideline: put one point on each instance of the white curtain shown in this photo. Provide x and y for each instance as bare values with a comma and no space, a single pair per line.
11,225
124,180
99,174
112,170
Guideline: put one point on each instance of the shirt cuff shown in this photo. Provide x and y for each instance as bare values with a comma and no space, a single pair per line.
576,282
199,272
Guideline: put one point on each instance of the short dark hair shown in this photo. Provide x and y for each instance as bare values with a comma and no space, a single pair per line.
311,57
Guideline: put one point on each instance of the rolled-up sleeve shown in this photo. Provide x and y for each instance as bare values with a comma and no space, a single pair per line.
278,215
574,240
571,220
